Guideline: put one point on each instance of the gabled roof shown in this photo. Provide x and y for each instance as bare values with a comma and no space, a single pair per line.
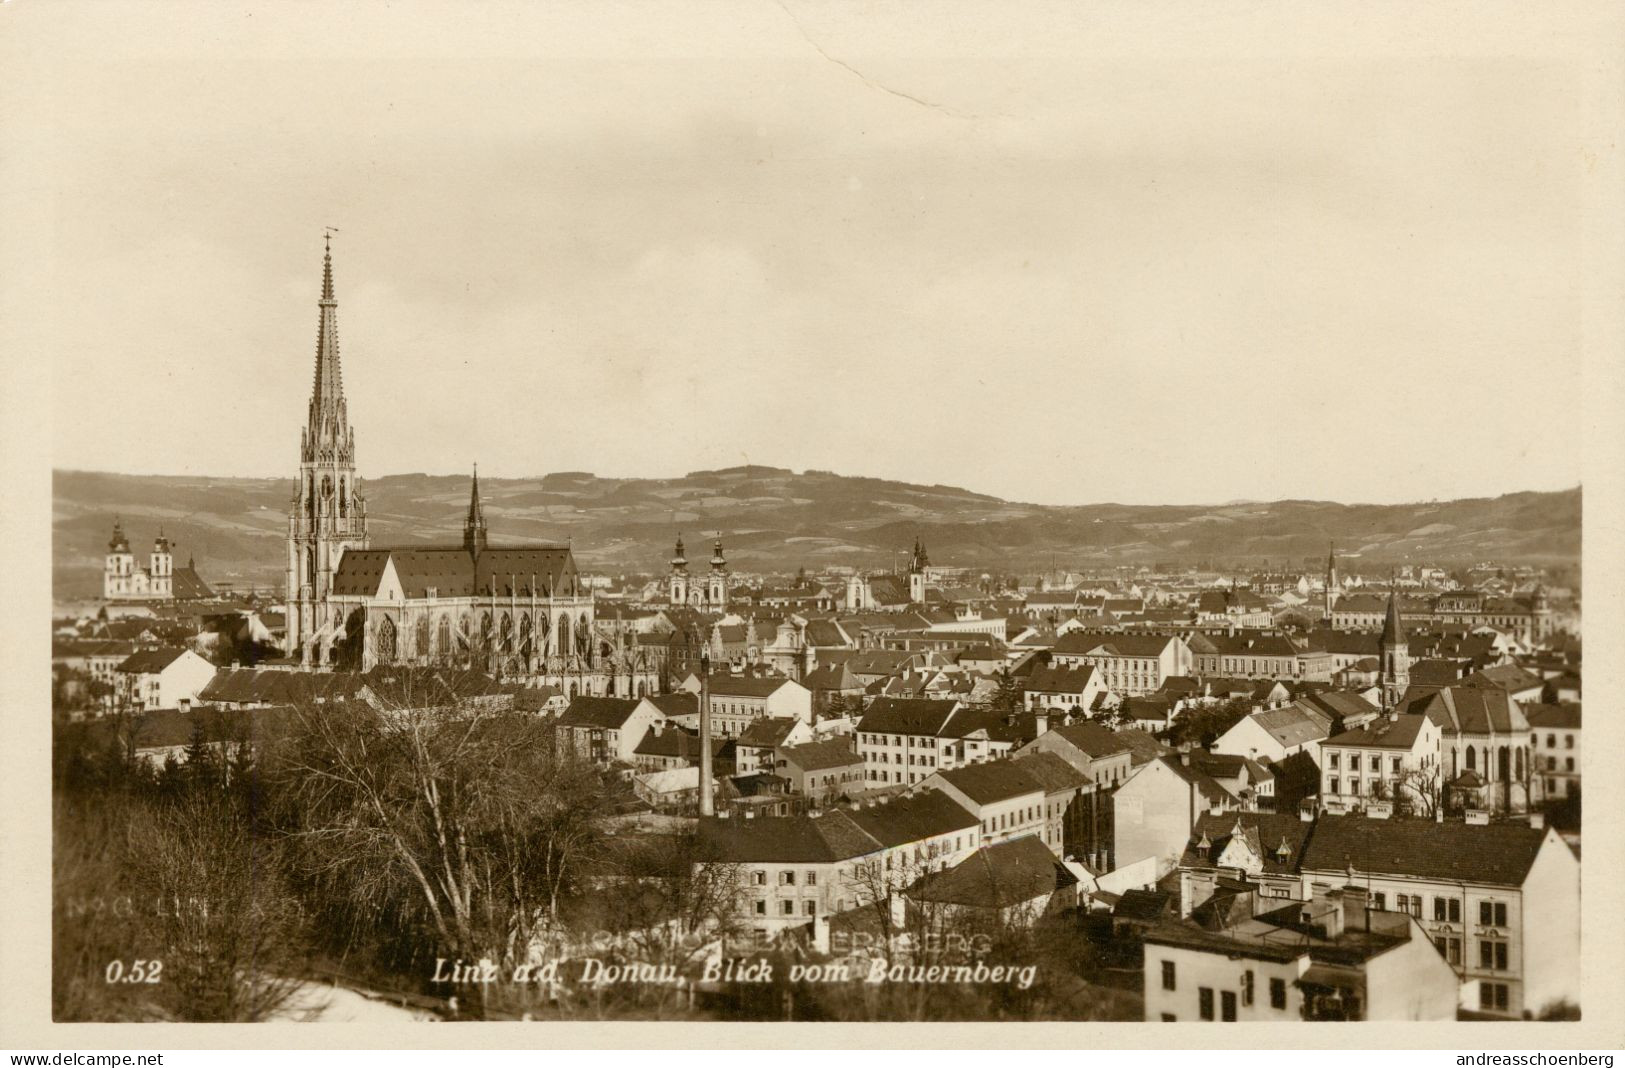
746,686
602,712
897,715
769,732
1468,709
1083,643
1265,833
993,781
1497,854
1052,773
150,661
1065,680
1564,716
833,677
1093,739
997,876
821,755
1293,725
452,571
823,839
913,818
1400,732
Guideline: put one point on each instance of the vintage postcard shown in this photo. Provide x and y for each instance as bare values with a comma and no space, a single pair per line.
608,523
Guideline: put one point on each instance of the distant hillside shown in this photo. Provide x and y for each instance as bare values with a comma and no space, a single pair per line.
776,519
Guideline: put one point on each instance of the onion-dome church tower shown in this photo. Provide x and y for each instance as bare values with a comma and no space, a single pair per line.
717,592
327,514
677,584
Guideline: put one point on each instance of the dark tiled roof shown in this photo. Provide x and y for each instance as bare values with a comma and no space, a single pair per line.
896,715
681,703
745,686
993,781
454,572
1563,717
1498,854
785,839
1398,733
1079,643
1053,773
150,661
913,818
822,755
1060,680
768,732
997,876
601,712
1143,905
1265,832
1093,739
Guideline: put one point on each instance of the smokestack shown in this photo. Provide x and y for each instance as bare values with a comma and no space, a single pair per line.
706,808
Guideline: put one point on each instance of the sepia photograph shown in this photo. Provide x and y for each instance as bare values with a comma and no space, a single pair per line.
812,514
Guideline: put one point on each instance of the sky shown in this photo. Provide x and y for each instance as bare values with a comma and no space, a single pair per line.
1036,260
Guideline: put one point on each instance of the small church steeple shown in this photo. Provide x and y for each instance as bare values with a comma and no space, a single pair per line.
1396,660
475,537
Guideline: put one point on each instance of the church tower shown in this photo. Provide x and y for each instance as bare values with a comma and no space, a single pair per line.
679,575
1396,660
120,564
475,536
161,568
1331,580
717,594
327,514
917,564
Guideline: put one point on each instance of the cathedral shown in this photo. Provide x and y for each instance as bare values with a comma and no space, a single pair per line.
518,611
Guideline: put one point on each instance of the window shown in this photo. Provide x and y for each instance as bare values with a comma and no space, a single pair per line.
1568,763
1335,762
1455,910
1492,996
787,907
1169,1017
1277,993
1247,987
787,878
1168,975
1379,902
1204,997
812,878
1438,909
759,878
811,908
761,908
1394,764
1227,1005
1376,764
1568,742
1331,784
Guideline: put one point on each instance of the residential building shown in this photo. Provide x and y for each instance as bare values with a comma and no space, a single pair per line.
161,678
1394,759
1501,900
1064,689
1554,741
1154,810
605,729
1276,733
1003,795
1130,664
821,770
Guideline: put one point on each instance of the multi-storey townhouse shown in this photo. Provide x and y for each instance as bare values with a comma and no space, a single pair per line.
1004,796
1554,738
1393,759
1130,664
1500,900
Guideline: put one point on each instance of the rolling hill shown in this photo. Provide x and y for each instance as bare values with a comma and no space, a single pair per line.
774,519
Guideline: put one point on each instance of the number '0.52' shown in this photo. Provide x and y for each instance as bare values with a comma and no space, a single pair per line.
139,971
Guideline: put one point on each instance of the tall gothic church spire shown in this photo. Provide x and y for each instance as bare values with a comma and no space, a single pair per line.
474,533
327,514
328,433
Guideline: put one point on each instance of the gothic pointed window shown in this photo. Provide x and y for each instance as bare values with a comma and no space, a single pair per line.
541,635
385,644
524,636
443,638
561,636
505,634
485,630
422,645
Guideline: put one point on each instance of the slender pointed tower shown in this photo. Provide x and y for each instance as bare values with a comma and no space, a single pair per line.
1396,660
327,514
475,536
917,563
1331,580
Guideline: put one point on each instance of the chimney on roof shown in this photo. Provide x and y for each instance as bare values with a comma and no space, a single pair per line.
1040,723
1537,820
1185,757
